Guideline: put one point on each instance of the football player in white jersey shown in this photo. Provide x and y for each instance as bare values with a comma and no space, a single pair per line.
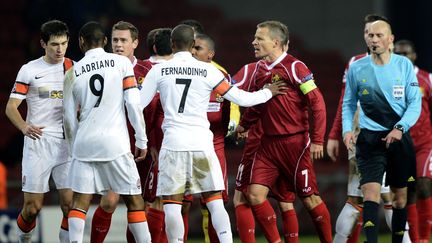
45,153
187,160
97,90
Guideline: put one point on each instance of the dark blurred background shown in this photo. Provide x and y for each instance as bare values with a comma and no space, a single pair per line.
323,33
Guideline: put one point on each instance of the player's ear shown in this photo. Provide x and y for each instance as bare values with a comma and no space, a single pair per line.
43,44
105,41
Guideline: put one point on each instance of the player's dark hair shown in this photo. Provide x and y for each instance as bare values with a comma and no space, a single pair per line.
162,42
53,28
277,30
92,34
375,17
150,41
123,25
406,42
210,42
182,37
195,24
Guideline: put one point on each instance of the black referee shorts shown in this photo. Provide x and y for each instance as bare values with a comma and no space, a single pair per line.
373,159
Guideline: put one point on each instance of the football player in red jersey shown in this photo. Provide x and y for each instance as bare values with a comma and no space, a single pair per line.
420,202
285,124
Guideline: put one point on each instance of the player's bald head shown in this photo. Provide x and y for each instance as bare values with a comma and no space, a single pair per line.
182,37
380,25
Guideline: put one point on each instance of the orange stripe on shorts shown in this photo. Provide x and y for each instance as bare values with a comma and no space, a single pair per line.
207,200
74,213
129,82
136,217
21,88
222,87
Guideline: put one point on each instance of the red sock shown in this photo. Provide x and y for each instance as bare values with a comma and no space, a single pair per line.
129,236
212,232
101,223
290,226
155,221
412,219
266,218
186,226
355,234
245,223
321,219
424,209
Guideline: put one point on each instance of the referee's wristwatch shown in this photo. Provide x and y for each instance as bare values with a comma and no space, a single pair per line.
399,127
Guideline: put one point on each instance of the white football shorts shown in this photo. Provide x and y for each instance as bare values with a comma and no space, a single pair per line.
42,158
188,172
119,175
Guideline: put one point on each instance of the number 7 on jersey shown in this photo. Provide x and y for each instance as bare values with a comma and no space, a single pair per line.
186,82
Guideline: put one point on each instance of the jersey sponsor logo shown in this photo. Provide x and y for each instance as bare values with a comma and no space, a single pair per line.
398,91
213,107
56,94
415,84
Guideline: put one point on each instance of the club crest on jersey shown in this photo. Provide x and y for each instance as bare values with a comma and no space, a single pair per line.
219,98
275,77
139,82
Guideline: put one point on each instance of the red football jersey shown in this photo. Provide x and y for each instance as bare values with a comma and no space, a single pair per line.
289,113
218,114
422,130
336,129
153,113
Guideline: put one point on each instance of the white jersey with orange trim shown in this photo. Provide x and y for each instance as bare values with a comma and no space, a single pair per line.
96,92
41,85
185,85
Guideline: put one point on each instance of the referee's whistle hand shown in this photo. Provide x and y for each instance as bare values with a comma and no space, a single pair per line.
349,140
140,154
394,136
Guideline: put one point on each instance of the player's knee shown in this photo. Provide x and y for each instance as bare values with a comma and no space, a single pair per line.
423,188
256,198
109,204
400,200
238,198
31,208
311,201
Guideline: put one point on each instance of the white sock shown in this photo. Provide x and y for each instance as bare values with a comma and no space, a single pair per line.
406,238
388,213
345,223
24,237
140,232
64,236
76,229
220,220
174,226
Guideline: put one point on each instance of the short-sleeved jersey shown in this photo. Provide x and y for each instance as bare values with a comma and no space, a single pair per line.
389,94
41,84
98,88
422,130
288,114
185,85
336,128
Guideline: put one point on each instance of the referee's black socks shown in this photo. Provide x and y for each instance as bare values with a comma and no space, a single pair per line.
370,221
398,224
